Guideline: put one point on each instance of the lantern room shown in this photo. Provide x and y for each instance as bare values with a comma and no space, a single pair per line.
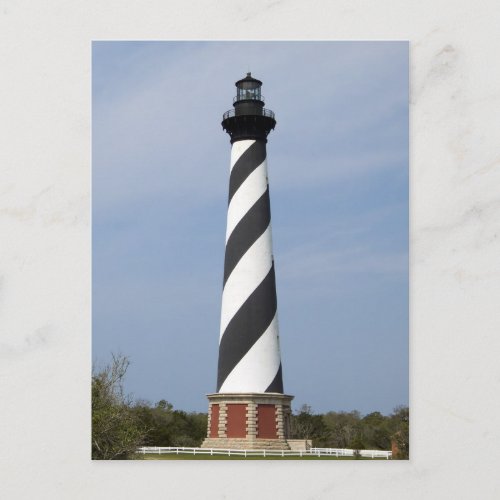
248,88
248,119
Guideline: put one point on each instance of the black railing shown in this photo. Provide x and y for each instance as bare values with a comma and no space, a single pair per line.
256,112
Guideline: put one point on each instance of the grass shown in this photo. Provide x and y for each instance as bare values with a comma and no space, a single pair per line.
169,456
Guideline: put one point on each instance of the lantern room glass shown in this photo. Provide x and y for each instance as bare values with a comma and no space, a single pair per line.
248,90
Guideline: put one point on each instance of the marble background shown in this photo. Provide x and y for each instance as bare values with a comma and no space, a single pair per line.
45,259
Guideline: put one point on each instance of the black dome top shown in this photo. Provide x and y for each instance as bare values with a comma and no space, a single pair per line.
249,78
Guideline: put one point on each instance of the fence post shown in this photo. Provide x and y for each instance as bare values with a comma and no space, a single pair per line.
264,452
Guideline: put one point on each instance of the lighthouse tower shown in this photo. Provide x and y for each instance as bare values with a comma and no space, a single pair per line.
249,409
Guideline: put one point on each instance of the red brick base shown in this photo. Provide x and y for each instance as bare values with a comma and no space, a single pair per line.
248,421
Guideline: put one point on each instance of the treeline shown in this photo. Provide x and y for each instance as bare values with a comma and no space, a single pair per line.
352,430
120,425
165,426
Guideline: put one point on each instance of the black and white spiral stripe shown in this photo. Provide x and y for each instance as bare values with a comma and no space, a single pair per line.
249,354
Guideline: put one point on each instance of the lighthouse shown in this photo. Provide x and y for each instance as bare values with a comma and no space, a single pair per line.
249,409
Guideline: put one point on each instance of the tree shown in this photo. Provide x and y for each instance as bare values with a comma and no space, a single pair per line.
400,420
305,425
158,420
357,444
376,431
302,425
169,427
342,427
116,430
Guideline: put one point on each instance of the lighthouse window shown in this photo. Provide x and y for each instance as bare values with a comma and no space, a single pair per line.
249,93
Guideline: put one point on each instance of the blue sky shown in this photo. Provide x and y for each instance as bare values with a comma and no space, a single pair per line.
338,173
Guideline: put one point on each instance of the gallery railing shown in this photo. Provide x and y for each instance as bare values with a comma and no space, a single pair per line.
256,112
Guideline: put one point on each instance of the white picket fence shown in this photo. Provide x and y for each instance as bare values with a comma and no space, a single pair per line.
345,452
318,452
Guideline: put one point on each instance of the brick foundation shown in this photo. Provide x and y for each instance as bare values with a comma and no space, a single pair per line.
228,410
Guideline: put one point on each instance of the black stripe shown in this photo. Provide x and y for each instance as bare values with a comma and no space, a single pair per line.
277,384
247,325
245,165
247,231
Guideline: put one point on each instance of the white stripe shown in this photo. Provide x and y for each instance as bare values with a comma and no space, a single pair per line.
248,193
246,277
257,369
238,148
